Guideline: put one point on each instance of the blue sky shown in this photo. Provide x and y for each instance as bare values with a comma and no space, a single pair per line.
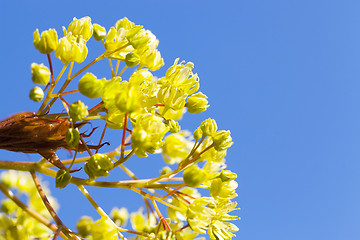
283,76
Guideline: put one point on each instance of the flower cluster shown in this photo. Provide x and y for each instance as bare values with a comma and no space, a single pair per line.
146,111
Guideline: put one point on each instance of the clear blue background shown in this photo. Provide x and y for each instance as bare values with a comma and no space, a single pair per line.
282,75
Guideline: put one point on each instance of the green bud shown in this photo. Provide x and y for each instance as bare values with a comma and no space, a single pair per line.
99,32
165,170
80,27
63,178
222,140
90,86
194,176
36,94
132,59
98,165
227,175
197,103
198,133
173,125
40,74
72,137
119,216
48,41
78,110
208,127
84,225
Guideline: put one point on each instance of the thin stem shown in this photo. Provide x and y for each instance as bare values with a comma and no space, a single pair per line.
173,191
101,212
123,70
51,68
102,137
162,219
48,206
7,192
123,137
117,68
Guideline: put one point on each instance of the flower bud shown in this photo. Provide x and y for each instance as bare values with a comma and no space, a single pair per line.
124,23
72,137
81,27
36,94
63,178
98,165
128,100
198,133
90,86
227,175
132,59
119,216
194,176
71,49
197,103
8,206
78,110
220,189
99,32
222,140
48,41
83,226
173,125
150,58
104,229
40,74
172,97
137,36
165,170
208,127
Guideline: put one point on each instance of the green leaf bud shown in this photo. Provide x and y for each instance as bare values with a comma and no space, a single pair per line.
194,176
208,127
98,165
198,133
165,170
90,86
222,140
132,59
227,175
36,94
114,119
63,178
119,216
173,125
81,28
99,32
71,49
72,137
40,74
220,189
48,41
78,110
84,226
197,103
124,23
